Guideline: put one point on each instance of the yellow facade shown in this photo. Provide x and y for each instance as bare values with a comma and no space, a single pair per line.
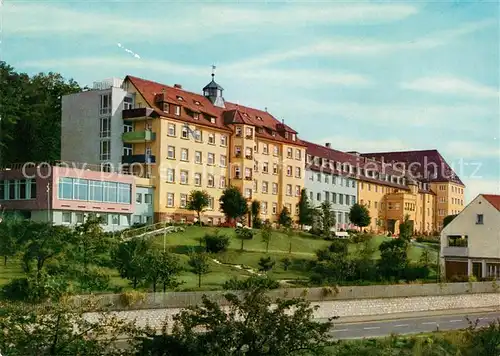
449,200
212,159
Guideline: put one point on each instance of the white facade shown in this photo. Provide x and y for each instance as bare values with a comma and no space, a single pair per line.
471,242
341,192
86,134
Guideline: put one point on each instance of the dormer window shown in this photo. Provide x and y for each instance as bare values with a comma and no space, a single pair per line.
177,110
294,137
259,118
197,102
180,98
166,108
260,130
273,133
196,115
212,120
286,135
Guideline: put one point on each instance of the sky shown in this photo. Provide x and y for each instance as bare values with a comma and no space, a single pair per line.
364,76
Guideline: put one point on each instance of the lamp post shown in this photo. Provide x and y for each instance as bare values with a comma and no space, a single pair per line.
48,202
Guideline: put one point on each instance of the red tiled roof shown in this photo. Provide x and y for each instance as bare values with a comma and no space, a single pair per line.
422,162
232,113
493,200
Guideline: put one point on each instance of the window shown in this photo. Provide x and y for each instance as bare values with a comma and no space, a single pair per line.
353,183
341,199
183,202
275,168
248,193
479,219
80,218
223,140
311,196
105,104
298,154
249,132
289,189
198,136
222,182
170,200
255,185
66,217
334,198
334,180
297,190
115,219
318,196
31,188
65,190
376,205
248,173
105,127
80,189
265,167
184,177
127,149
197,157
148,198
196,115
177,110
298,172
289,171
238,131
185,133
184,154
327,179
105,150
275,188
263,207
171,130
458,240
197,179
210,159
211,139
170,175
171,152
210,181
289,152
210,203
223,160
265,148
275,208
275,150
265,186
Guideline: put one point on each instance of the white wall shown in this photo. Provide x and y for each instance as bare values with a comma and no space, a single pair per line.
484,240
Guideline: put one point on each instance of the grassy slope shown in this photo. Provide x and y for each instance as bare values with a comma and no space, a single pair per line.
303,249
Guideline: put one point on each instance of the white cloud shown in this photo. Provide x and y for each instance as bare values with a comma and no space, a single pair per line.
451,85
359,47
476,186
199,22
307,78
466,149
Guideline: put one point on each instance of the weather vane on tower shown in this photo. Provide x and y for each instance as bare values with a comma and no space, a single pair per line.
213,70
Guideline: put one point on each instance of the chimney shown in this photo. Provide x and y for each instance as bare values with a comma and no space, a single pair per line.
178,86
328,145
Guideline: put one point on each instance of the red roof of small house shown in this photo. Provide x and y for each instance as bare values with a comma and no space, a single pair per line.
493,200
421,164
154,92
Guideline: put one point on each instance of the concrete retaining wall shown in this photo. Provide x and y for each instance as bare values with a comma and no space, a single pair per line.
184,299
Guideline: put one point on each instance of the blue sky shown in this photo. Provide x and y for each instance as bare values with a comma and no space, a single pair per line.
365,76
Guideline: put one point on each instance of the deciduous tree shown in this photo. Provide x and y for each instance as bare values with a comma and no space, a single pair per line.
305,210
359,215
233,204
198,201
198,262
266,233
284,218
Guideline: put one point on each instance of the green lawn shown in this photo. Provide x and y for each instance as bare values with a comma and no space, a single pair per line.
304,247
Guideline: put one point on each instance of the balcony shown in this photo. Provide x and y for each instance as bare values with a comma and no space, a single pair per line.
138,136
138,114
139,159
455,251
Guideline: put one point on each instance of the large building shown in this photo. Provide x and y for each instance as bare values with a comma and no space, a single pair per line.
470,244
430,169
185,141
389,191
65,192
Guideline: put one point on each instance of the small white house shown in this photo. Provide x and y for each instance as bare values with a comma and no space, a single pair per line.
470,244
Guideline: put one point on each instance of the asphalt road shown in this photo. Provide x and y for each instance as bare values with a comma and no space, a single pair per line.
409,326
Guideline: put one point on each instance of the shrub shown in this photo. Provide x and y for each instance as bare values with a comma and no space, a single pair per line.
414,272
215,242
252,282
363,237
429,239
131,298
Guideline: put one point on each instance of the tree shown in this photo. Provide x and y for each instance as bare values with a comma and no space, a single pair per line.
393,258
243,234
284,218
406,229
448,219
255,210
60,329
216,242
129,260
305,210
162,267
286,262
253,325
30,109
290,234
359,215
198,201
233,204
266,264
327,216
266,232
8,239
198,262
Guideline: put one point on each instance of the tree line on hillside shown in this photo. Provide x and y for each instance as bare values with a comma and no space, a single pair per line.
30,112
